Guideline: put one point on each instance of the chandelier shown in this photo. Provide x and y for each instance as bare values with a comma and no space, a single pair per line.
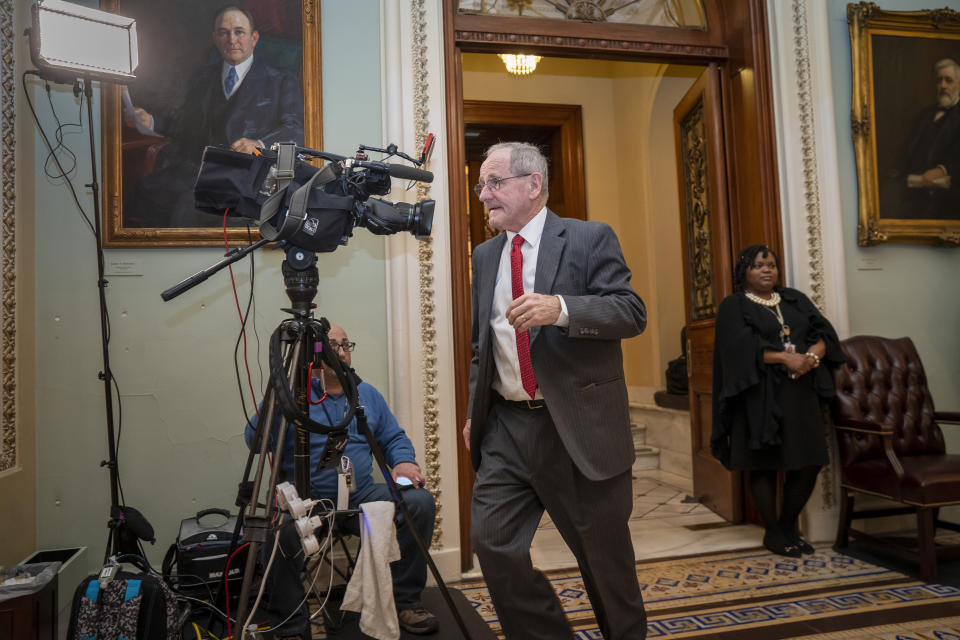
519,64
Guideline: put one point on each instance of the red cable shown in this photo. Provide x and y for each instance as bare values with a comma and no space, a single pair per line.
246,363
226,586
310,386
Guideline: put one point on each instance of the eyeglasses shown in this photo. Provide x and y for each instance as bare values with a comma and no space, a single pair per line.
346,346
495,183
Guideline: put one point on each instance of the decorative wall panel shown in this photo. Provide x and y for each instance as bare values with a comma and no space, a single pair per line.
697,215
660,13
8,291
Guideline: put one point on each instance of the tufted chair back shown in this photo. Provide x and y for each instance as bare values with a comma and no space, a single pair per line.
883,385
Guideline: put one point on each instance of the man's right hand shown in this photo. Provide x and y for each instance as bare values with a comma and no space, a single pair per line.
144,118
466,434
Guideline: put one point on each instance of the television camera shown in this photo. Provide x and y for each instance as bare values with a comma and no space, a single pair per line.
305,208
315,209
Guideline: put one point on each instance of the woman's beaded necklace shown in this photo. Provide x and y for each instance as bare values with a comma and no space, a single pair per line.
773,305
773,301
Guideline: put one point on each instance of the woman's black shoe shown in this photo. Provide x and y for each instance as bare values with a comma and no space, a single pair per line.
793,538
776,542
804,546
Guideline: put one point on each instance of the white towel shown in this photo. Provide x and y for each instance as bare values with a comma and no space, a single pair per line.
370,590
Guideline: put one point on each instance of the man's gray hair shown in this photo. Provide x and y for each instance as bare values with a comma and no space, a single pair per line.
524,158
948,62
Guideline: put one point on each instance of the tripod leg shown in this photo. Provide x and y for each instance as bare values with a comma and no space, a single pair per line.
398,500
254,525
261,436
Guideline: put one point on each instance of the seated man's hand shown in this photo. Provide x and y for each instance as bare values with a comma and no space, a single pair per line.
245,145
411,472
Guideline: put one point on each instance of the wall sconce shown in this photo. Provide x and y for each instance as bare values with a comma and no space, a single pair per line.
519,64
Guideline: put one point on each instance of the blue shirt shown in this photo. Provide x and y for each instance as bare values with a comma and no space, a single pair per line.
386,431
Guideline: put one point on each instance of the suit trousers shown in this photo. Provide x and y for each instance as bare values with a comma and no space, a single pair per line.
525,469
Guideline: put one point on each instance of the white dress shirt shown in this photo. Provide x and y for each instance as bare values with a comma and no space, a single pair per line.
508,383
242,70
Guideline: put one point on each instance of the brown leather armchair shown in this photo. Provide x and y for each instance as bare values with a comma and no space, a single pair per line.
890,445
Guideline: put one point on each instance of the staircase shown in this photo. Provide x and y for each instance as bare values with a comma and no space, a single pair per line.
661,439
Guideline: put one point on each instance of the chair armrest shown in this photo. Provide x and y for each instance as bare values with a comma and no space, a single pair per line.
872,428
852,424
947,416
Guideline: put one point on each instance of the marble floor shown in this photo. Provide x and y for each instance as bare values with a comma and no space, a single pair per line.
665,523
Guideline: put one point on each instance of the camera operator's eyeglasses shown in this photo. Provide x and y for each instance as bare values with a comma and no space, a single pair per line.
346,346
494,183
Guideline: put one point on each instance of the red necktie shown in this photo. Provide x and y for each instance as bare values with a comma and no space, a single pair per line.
523,338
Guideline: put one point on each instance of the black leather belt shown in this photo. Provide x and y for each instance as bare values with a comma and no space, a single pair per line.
526,405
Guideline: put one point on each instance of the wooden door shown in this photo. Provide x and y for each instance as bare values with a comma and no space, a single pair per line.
704,221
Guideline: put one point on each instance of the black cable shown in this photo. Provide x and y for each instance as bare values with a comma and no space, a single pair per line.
199,581
208,605
58,134
253,307
36,118
123,500
236,346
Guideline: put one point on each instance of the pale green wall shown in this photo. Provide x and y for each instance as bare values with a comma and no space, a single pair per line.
915,292
180,449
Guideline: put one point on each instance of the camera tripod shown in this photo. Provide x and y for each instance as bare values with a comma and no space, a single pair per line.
297,342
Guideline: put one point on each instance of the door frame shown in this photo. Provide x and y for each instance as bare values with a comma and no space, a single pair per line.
736,40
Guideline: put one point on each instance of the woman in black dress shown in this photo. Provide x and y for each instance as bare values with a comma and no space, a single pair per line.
768,385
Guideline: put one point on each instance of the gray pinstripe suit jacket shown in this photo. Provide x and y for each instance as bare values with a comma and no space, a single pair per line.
580,367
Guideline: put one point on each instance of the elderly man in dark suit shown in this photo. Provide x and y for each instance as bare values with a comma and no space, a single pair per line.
548,425
239,102
929,168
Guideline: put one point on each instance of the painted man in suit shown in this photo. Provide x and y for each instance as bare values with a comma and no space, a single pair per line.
929,171
548,425
239,102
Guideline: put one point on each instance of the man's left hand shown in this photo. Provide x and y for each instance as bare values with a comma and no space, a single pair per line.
411,472
245,145
533,310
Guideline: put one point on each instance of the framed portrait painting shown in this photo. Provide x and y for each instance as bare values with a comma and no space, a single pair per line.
906,124
235,76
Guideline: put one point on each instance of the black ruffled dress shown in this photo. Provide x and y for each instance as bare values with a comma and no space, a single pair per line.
761,418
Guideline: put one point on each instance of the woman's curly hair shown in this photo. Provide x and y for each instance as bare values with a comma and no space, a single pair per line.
746,258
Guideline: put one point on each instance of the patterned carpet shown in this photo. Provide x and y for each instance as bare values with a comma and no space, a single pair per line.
754,594
939,629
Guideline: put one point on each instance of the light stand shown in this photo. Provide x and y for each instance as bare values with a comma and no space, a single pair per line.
72,44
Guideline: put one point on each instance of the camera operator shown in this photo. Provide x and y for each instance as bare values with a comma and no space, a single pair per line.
285,589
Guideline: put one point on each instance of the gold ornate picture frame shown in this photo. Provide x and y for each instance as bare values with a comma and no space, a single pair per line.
175,46
906,135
